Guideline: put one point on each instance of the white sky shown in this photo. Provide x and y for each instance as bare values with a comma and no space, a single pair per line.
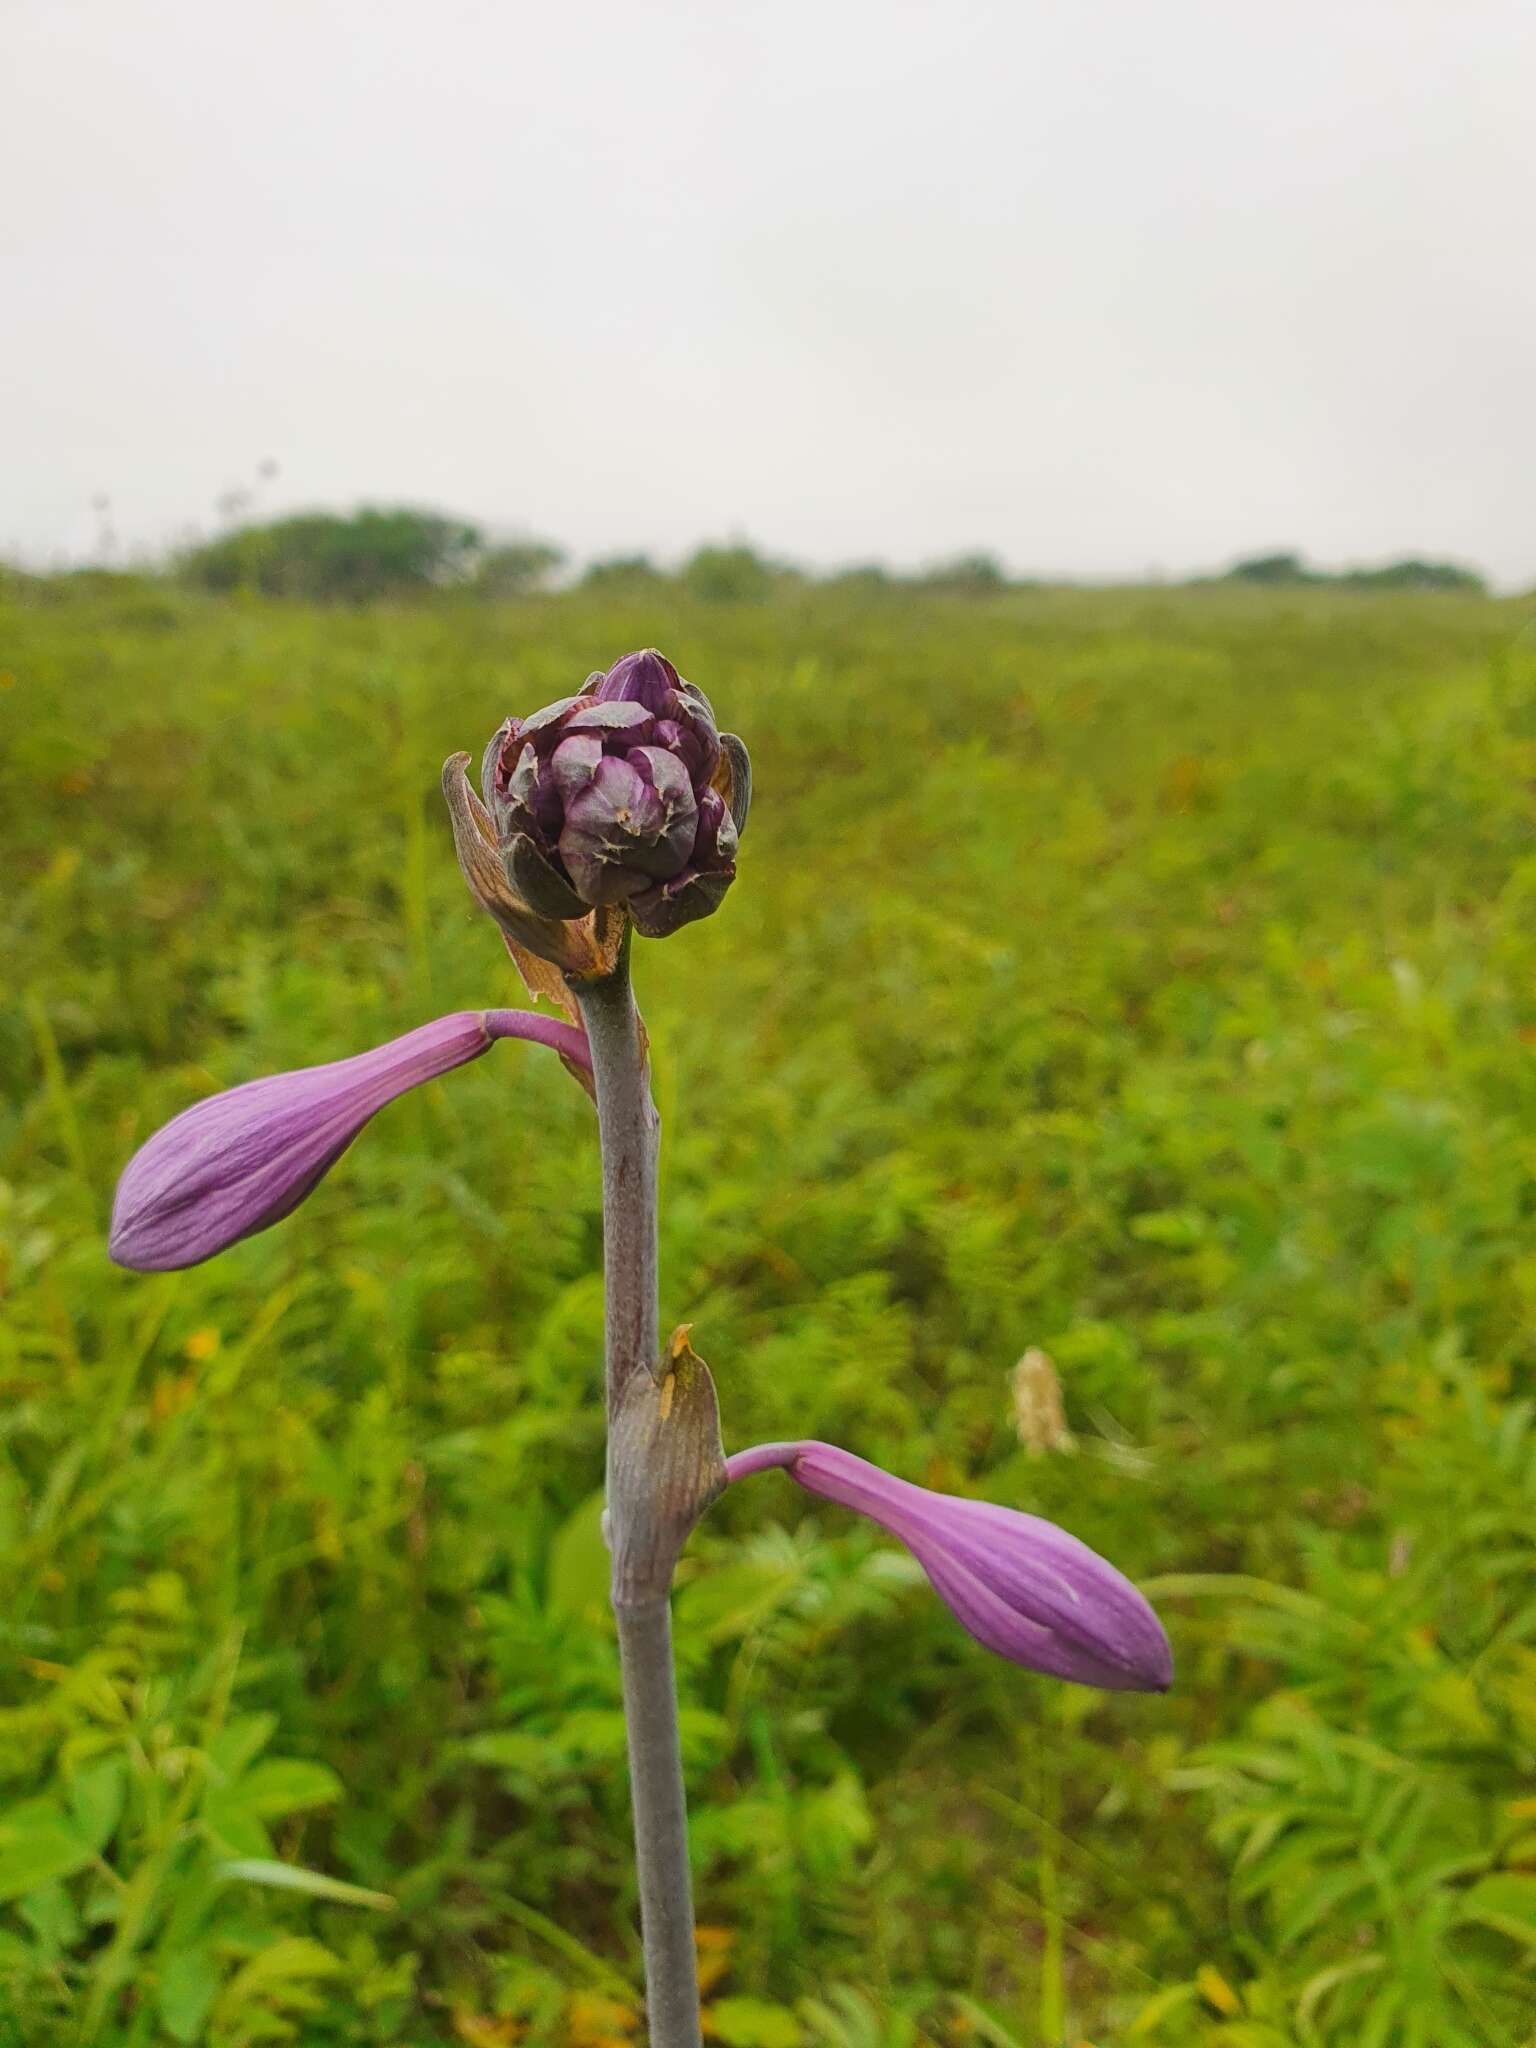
1103,285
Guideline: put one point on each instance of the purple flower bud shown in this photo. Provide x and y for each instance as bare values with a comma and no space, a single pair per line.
230,1165
623,794
646,677
1021,1586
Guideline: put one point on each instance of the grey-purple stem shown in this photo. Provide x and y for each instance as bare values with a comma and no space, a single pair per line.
629,1131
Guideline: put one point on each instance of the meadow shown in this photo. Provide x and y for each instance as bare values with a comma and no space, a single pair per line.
1142,978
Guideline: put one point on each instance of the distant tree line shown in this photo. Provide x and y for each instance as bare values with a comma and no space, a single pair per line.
350,557
400,551
1410,573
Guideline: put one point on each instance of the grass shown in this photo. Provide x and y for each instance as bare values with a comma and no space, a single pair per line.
1148,978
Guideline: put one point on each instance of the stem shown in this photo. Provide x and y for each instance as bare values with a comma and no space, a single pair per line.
661,1824
629,1132
628,1128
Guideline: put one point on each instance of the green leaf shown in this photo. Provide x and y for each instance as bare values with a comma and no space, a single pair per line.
1177,1229
189,1983
753,2023
594,1735
276,1975
234,1814
51,1915
293,1877
286,1784
1325,1896
579,1564
96,1797
987,2024
1172,1998
239,1742
737,1598
233,1828
509,1749
38,1845
1505,1902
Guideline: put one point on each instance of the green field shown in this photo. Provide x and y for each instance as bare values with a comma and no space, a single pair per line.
1148,977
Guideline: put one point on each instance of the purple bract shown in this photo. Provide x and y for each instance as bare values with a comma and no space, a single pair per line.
1021,1586
230,1165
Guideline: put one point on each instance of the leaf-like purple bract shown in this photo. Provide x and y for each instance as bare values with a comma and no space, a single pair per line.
623,794
1020,1585
229,1166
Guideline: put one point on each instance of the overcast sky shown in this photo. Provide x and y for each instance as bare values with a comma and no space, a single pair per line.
1103,286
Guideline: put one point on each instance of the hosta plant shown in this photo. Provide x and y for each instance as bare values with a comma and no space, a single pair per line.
618,810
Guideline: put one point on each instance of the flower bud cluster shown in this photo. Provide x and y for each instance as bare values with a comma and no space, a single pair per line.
624,794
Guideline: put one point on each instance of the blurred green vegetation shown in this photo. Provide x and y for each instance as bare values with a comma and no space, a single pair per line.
1148,978
353,557
1410,572
403,552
